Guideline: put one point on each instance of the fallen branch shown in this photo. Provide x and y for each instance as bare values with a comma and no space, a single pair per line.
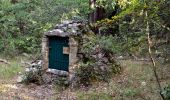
4,61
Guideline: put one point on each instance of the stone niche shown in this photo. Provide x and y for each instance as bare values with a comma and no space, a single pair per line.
69,29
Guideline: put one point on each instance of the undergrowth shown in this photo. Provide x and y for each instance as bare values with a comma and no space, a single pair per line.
98,62
10,70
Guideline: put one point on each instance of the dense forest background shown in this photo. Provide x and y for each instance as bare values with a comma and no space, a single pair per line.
24,21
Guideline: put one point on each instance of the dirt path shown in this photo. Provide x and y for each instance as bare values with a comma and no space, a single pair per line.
23,92
11,90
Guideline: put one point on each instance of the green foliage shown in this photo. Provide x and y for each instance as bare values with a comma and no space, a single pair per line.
98,62
85,72
62,82
13,46
27,44
110,44
164,12
166,92
15,24
129,25
91,72
8,71
94,96
107,43
33,76
23,23
130,92
107,4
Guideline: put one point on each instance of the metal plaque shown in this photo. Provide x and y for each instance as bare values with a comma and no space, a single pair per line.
66,50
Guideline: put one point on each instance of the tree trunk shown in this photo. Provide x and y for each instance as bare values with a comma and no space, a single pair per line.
98,13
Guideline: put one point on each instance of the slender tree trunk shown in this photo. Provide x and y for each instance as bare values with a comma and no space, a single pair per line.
151,57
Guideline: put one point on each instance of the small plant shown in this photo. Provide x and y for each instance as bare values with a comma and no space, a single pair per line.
92,95
10,70
62,82
85,73
130,92
33,74
32,77
166,92
91,72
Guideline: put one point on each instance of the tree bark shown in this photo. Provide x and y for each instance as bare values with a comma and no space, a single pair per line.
98,13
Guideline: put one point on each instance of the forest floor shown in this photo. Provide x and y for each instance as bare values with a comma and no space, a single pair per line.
136,82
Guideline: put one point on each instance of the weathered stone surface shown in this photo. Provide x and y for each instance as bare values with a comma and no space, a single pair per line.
21,78
33,74
65,29
58,72
71,29
45,51
36,74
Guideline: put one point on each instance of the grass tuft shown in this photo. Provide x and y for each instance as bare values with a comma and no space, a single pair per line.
8,71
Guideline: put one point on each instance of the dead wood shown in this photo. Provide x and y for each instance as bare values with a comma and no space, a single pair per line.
4,61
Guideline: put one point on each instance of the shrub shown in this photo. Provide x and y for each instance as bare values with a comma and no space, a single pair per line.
85,73
98,62
62,82
33,77
107,43
10,70
130,92
166,92
91,72
33,74
14,46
